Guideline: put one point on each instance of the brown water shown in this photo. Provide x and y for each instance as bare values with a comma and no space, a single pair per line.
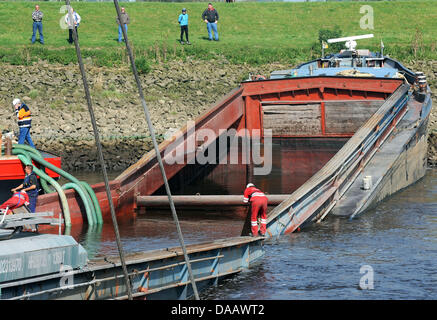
398,239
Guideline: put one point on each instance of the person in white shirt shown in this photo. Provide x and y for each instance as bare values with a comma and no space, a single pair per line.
70,24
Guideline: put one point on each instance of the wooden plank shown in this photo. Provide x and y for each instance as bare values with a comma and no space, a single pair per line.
348,116
301,119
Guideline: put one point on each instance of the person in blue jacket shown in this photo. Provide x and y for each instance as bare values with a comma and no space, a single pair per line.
183,21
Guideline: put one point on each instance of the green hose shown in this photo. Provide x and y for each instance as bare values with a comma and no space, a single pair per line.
95,201
72,185
84,194
25,159
88,192
44,185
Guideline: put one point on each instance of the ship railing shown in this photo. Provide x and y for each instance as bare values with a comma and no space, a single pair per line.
315,198
12,224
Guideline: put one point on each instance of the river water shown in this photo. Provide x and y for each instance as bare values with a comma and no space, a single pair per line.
394,246
397,240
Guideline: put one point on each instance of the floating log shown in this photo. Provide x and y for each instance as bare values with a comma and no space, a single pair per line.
203,200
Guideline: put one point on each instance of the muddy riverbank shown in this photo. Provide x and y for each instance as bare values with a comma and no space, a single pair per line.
176,92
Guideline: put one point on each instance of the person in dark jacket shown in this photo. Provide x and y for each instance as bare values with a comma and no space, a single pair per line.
30,186
124,22
210,16
24,122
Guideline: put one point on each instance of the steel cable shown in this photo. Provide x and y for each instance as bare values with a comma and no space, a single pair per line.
100,153
158,154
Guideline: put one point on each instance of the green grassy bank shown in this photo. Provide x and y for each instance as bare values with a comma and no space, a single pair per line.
253,33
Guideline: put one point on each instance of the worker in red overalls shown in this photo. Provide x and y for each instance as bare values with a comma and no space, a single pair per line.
19,199
258,201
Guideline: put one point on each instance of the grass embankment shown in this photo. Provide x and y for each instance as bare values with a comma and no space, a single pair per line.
253,33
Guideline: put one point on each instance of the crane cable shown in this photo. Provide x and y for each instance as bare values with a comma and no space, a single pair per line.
158,154
99,149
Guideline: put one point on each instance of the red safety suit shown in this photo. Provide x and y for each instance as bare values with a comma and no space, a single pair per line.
258,201
17,200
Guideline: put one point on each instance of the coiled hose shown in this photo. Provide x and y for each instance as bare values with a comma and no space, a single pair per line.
92,207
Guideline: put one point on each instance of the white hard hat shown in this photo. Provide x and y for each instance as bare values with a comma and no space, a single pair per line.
16,101
250,185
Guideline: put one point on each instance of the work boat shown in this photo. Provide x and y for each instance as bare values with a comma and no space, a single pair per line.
12,168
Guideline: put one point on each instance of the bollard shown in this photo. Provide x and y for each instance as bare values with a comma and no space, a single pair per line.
367,182
8,146
422,85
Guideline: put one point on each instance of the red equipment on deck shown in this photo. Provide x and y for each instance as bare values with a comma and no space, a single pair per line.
11,167
18,200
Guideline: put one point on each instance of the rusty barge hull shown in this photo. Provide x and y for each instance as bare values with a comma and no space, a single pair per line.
304,107
336,107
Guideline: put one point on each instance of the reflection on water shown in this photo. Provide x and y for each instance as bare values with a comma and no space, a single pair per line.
398,239
91,177
157,231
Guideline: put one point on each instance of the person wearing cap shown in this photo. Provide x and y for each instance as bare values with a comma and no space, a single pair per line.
258,201
37,24
124,17
183,22
22,112
210,16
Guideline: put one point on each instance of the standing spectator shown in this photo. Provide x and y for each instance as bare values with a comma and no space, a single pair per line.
183,21
124,21
210,16
24,122
37,24
70,24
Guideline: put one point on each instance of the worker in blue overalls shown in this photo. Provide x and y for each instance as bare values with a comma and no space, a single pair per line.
30,185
